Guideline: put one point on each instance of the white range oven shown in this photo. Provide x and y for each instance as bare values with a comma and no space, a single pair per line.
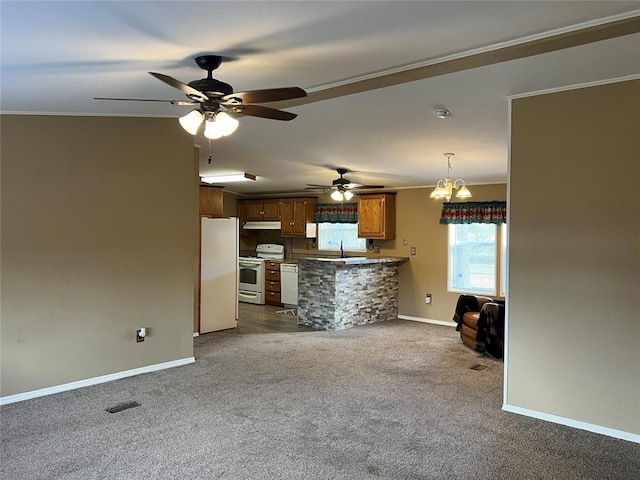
251,272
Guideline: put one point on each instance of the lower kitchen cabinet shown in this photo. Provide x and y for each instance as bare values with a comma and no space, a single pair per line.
272,284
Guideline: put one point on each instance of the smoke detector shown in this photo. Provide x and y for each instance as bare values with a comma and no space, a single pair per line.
441,113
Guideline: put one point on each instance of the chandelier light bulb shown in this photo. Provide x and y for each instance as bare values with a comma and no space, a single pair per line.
348,195
464,192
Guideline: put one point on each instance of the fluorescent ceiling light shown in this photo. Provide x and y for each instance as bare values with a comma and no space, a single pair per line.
236,177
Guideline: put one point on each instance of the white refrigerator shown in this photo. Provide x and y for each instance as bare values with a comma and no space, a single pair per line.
218,274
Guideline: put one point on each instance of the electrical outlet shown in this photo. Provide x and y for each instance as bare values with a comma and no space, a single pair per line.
413,250
427,299
376,249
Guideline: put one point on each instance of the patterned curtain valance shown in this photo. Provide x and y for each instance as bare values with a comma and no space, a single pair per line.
474,212
336,213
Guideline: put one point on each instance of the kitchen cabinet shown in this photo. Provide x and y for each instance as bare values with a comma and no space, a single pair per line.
272,283
377,216
263,210
295,214
241,209
210,201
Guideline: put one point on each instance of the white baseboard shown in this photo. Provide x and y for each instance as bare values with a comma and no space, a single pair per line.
196,334
610,432
19,397
427,320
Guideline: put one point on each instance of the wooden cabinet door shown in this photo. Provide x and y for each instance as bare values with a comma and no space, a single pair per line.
254,210
286,217
241,209
376,216
210,201
295,214
271,210
301,216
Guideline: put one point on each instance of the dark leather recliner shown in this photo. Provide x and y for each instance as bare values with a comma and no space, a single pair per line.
481,323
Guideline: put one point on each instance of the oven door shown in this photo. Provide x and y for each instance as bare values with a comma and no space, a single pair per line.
250,276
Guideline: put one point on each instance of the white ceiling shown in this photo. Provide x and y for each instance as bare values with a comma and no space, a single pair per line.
56,56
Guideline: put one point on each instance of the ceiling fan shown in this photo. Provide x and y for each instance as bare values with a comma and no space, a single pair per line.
218,104
341,188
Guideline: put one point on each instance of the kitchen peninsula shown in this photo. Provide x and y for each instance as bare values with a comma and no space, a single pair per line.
337,293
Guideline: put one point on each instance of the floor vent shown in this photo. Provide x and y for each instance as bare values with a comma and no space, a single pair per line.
478,366
122,406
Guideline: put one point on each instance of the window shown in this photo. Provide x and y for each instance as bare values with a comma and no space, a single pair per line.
472,258
331,234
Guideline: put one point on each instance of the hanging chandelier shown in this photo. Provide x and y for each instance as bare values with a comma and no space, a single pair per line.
444,188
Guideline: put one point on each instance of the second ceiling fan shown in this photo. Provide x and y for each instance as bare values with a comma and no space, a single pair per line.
341,188
217,103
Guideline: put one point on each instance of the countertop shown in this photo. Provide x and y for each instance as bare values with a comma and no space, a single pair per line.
353,260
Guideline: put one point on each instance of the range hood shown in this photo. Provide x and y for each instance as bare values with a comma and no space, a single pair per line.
262,226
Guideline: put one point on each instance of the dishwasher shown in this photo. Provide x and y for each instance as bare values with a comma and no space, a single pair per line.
289,284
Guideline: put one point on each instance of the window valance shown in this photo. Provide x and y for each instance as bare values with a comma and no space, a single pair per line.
336,213
474,212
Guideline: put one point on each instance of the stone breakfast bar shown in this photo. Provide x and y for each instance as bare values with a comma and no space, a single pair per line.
337,293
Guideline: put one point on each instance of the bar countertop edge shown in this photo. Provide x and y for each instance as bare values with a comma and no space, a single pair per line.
353,260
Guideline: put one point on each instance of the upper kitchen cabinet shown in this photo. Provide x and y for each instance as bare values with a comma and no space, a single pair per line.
263,210
210,201
241,208
295,214
377,216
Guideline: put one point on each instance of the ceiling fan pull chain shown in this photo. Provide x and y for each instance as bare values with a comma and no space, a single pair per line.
209,151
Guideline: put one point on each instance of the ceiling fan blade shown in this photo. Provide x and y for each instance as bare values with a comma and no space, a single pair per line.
267,95
132,99
363,187
313,185
192,93
172,102
260,111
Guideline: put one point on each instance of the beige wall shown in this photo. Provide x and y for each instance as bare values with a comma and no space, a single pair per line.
574,262
99,230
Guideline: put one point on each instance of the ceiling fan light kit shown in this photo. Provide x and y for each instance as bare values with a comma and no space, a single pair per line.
341,189
339,196
444,188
